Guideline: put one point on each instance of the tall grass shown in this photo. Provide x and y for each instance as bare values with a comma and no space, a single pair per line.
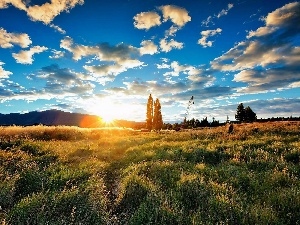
70,175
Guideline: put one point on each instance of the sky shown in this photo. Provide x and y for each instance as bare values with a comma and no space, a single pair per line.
106,57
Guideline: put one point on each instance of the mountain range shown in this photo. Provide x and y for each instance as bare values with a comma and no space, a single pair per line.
58,117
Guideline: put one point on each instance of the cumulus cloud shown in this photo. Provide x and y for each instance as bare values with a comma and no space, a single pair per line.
63,81
105,52
267,60
159,88
177,15
107,73
148,47
146,20
167,46
4,73
44,13
8,40
193,74
206,34
223,12
26,56
271,79
61,75
276,107
114,59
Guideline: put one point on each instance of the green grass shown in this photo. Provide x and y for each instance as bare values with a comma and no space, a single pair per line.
68,175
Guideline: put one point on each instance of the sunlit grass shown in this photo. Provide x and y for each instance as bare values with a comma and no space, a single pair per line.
71,175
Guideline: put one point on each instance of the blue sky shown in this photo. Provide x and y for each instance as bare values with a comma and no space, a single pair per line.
106,57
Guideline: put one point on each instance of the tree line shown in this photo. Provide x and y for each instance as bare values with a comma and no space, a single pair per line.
154,119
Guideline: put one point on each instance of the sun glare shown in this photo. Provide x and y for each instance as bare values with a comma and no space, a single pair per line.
107,111
108,117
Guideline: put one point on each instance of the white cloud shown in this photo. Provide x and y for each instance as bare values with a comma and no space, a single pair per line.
223,12
56,54
167,46
105,52
172,31
280,18
177,15
148,47
268,44
44,13
283,15
193,74
16,3
207,21
163,66
146,20
267,60
8,40
26,56
4,73
177,69
206,34
57,28
262,31
66,43
114,59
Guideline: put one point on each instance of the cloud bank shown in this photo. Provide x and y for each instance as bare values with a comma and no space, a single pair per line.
114,59
266,60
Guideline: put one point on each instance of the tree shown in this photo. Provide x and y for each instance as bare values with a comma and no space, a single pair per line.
157,118
245,114
250,116
240,113
149,113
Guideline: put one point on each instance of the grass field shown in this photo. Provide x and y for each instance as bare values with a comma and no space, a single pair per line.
69,175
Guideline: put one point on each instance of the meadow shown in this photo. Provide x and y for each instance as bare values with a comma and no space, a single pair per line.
71,175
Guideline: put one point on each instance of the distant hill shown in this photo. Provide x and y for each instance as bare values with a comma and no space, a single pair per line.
58,117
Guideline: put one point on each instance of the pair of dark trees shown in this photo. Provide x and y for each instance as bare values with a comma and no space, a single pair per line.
153,115
245,114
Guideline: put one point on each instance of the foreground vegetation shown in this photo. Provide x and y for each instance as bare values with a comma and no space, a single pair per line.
69,175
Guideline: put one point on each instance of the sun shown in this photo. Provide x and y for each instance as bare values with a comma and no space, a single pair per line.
107,111
110,111
107,117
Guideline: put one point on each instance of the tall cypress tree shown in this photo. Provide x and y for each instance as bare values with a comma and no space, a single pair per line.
149,113
157,118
